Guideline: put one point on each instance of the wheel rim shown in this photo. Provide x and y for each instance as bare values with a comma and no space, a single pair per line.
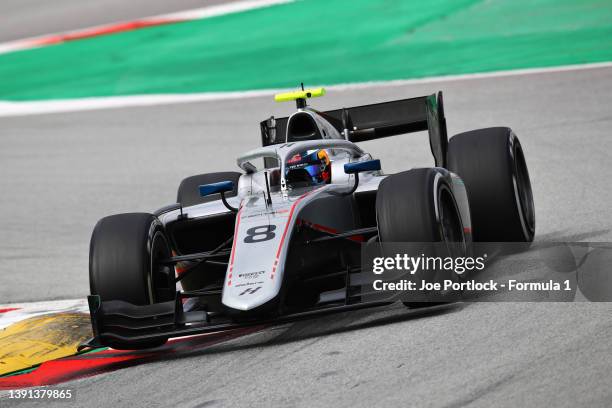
162,286
451,225
524,192
452,233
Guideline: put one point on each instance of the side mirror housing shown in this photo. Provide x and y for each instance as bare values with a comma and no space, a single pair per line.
358,167
213,188
361,166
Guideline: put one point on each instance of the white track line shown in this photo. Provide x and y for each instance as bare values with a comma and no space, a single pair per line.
221,9
195,14
113,102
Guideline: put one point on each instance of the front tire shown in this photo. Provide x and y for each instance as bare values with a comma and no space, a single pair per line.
419,206
410,207
124,255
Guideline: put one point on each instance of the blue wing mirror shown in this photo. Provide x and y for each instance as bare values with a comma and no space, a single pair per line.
221,187
360,166
213,188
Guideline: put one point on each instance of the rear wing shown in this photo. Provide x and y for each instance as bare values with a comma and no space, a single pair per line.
369,122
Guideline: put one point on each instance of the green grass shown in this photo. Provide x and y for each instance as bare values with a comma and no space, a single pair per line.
317,42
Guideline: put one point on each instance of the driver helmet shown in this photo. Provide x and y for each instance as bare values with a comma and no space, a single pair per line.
313,166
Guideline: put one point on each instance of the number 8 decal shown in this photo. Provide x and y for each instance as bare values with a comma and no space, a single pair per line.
260,234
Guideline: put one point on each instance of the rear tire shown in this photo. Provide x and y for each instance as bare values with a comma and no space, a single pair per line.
123,264
492,165
189,194
418,205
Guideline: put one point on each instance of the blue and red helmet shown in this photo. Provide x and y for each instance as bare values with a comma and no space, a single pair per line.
313,167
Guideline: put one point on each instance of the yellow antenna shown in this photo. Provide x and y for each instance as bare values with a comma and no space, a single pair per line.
299,96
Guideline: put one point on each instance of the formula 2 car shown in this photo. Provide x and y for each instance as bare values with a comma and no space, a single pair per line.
281,239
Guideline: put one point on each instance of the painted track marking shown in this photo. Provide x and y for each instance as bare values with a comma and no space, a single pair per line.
105,29
115,102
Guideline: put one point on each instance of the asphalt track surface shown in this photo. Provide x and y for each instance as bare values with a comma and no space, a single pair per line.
61,172
29,18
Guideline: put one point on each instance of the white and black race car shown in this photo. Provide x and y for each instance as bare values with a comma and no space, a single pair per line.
281,239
